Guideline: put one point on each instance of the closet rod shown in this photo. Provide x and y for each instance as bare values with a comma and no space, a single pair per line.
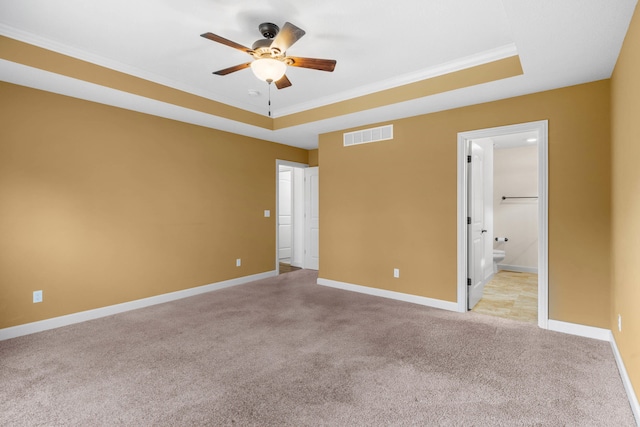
519,197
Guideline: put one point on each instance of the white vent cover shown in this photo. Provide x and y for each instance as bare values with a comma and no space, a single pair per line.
368,135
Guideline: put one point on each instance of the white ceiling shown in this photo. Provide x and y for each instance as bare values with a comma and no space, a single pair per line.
514,140
377,44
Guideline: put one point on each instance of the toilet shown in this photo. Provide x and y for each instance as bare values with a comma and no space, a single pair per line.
498,256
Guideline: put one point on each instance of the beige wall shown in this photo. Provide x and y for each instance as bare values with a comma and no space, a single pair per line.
392,204
313,158
100,205
626,201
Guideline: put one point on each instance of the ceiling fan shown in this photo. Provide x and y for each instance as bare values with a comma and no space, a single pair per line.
270,54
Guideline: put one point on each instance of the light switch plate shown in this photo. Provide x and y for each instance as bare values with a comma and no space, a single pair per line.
267,213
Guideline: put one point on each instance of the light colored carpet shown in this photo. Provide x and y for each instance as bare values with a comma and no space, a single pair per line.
284,351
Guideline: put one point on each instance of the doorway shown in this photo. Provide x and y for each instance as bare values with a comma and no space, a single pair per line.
476,200
503,183
290,217
296,217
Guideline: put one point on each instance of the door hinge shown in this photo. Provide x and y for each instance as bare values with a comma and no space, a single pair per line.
468,220
468,159
468,281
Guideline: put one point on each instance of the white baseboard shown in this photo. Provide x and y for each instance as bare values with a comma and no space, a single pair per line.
429,302
518,268
70,319
603,335
633,398
580,330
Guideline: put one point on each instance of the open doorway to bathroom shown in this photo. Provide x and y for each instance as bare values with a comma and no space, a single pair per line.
502,200
510,203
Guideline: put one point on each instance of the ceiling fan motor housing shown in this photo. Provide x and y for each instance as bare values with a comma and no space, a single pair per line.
262,48
268,30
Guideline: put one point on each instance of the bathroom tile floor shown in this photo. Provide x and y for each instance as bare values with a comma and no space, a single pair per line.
511,295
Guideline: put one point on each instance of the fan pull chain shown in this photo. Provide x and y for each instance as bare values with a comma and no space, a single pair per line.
269,99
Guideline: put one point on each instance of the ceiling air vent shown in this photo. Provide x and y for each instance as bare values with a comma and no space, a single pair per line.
368,135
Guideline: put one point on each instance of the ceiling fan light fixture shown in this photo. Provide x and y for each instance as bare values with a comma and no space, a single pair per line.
269,54
268,69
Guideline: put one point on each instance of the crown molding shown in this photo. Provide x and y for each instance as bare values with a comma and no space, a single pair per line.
459,64
438,70
45,43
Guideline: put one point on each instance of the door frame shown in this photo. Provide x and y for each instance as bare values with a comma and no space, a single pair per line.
311,196
543,211
277,213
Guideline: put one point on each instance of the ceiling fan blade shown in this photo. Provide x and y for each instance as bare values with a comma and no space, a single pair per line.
288,35
283,82
313,63
226,42
233,69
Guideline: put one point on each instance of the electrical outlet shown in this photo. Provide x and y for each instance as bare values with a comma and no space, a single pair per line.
396,272
37,296
619,323
238,262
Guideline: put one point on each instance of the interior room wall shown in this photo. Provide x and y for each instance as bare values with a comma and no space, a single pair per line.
100,205
516,174
313,158
393,204
626,201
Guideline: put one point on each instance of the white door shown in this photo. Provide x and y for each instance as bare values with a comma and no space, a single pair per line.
285,223
311,222
297,257
477,231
